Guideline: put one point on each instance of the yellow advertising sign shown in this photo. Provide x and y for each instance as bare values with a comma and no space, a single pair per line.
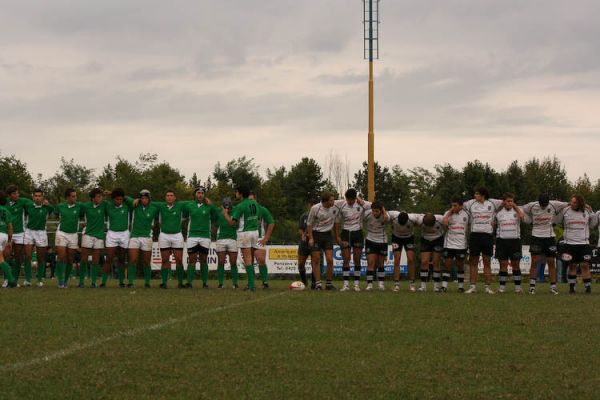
283,253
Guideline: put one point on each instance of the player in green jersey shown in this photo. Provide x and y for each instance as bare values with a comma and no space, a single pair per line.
226,246
200,213
264,234
92,240
245,215
66,240
36,235
16,205
118,211
5,241
144,215
170,239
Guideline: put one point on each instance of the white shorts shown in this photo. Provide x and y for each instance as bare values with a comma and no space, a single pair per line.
142,243
170,240
90,242
197,241
248,239
37,238
68,240
228,245
18,238
3,240
117,239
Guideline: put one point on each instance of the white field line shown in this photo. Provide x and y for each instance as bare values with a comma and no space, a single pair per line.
77,347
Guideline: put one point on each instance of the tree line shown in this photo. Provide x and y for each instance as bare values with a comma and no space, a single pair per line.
285,191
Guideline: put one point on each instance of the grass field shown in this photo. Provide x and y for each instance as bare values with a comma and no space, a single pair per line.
123,343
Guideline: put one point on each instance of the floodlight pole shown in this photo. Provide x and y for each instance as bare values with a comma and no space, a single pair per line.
371,47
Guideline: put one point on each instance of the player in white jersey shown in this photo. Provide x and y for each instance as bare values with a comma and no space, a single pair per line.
481,212
541,215
321,220
350,239
508,241
577,221
432,245
403,237
456,221
376,244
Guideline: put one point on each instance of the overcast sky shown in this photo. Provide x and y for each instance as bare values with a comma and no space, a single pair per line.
200,81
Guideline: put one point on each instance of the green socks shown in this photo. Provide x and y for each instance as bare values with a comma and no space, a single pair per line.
16,269
94,274
121,273
131,273
191,271
82,270
147,274
69,269
104,278
179,271
264,273
234,274
27,271
221,274
41,271
250,273
60,271
164,273
7,272
204,273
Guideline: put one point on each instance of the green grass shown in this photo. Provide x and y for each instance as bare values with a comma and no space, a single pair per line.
120,343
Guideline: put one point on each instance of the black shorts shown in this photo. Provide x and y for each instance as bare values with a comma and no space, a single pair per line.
323,241
304,249
407,243
455,254
436,245
543,245
576,253
376,248
481,244
508,249
354,238
197,249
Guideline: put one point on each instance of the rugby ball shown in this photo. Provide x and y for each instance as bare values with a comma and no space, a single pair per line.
298,285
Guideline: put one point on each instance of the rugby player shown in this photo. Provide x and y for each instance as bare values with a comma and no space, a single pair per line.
321,220
508,242
226,246
264,234
432,245
170,239
481,212
92,239
36,236
376,244
118,212
16,205
145,212
5,241
66,239
541,215
403,237
577,221
456,221
304,250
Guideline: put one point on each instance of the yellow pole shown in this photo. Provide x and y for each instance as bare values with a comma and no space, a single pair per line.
371,159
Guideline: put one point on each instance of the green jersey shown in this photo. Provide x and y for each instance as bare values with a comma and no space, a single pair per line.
5,219
17,211
265,219
37,216
200,215
170,217
69,215
118,217
225,231
246,214
95,217
143,219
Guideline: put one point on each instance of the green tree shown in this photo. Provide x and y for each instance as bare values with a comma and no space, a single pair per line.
14,172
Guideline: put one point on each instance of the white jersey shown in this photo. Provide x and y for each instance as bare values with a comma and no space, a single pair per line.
322,219
375,227
456,232
431,232
481,215
577,225
403,231
542,218
350,216
509,224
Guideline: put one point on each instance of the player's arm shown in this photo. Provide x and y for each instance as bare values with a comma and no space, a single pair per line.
446,218
386,216
309,227
497,203
227,217
519,212
337,230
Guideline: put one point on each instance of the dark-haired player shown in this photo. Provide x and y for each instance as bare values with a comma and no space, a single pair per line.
36,235
92,240
226,246
432,245
456,221
321,220
577,221
14,253
118,212
170,239
540,214
5,241
481,212
403,237
304,250
376,244
66,239
144,214
508,241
